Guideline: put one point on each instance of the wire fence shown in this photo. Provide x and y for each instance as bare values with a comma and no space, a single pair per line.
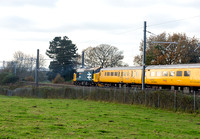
163,99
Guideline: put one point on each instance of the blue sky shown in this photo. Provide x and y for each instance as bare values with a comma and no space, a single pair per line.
28,25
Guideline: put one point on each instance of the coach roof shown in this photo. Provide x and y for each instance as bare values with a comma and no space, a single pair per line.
178,66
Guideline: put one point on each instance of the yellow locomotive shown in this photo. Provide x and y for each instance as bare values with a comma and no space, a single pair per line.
165,76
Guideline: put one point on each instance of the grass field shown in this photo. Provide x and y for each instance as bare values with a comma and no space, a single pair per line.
64,118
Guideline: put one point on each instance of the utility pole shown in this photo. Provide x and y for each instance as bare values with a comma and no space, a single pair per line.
37,68
15,68
83,59
144,52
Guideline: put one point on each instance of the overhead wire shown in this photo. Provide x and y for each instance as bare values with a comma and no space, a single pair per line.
171,21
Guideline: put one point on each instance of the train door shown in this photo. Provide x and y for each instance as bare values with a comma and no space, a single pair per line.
179,77
121,74
132,76
126,77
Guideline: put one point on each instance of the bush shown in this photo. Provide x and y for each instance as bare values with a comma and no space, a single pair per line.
58,79
8,78
29,79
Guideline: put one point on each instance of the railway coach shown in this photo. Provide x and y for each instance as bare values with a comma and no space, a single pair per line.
163,76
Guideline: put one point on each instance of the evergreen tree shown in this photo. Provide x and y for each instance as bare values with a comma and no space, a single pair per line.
63,53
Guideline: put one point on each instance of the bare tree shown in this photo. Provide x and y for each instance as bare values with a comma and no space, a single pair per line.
24,64
27,61
103,55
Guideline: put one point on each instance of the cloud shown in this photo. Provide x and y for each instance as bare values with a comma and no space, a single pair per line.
42,3
16,23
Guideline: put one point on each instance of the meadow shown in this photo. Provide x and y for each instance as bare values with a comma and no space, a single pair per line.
73,118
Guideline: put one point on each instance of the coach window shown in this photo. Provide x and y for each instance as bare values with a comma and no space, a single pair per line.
124,73
158,73
121,73
115,73
111,73
131,73
137,74
186,73
178,73
118,73
127,73
105,73
165,73
171,73
152,73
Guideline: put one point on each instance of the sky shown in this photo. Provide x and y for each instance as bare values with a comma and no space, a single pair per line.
28,25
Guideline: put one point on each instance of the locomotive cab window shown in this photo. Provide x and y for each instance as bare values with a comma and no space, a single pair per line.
186,73
178,73
171,73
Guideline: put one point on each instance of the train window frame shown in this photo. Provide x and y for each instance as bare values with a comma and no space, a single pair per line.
171,73
115,73
165,73
159,73
152,73
112,74
187,73
179,73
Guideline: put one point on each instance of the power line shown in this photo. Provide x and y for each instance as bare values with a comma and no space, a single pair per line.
171,21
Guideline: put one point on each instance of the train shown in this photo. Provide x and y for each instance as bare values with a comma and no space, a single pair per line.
161,76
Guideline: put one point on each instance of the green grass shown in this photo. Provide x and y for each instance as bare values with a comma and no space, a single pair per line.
64,118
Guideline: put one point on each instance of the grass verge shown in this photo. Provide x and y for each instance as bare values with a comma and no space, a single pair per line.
64,118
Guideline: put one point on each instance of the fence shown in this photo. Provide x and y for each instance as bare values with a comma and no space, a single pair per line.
164,99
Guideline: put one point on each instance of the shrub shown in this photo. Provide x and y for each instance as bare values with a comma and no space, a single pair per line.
58,79
29,78
9,78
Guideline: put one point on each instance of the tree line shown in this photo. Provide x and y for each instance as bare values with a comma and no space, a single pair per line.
65,58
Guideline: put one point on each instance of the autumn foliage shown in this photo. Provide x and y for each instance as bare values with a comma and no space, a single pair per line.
183,52
58,79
